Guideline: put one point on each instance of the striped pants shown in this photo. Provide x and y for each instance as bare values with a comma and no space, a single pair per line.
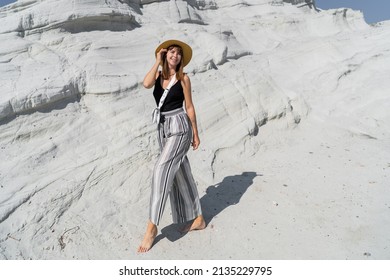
172,172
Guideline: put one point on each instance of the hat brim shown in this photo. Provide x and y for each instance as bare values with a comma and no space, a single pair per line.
187,51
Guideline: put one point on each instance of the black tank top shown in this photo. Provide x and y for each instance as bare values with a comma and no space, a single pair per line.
175,96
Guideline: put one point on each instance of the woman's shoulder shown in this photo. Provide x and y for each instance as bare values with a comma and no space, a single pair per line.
185,78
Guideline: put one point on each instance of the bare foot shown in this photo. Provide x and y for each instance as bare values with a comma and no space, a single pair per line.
149,237
198,224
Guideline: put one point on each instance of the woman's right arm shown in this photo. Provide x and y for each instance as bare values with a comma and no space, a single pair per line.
152,75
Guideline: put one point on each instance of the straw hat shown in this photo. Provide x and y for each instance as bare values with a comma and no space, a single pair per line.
187,51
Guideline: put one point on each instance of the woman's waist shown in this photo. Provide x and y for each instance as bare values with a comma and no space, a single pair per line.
173,112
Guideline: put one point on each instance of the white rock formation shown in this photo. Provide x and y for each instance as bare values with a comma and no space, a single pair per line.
77,145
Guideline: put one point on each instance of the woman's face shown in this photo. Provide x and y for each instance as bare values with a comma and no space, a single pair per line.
174,56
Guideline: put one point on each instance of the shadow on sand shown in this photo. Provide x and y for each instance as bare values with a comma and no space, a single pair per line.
217,198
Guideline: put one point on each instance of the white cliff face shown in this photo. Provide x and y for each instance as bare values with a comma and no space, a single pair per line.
61,58
77,144
29,17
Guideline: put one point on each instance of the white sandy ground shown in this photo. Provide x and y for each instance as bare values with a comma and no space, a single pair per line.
313,192
293,112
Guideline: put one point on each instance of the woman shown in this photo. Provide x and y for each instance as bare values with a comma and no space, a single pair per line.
177,130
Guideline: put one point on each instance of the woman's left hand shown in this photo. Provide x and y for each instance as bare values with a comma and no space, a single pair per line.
195,142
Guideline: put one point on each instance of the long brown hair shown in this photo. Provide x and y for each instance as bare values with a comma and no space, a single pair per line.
179,67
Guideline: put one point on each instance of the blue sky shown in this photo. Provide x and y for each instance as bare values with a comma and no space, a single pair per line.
374,10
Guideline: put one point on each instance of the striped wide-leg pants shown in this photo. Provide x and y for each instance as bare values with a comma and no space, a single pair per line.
172,172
